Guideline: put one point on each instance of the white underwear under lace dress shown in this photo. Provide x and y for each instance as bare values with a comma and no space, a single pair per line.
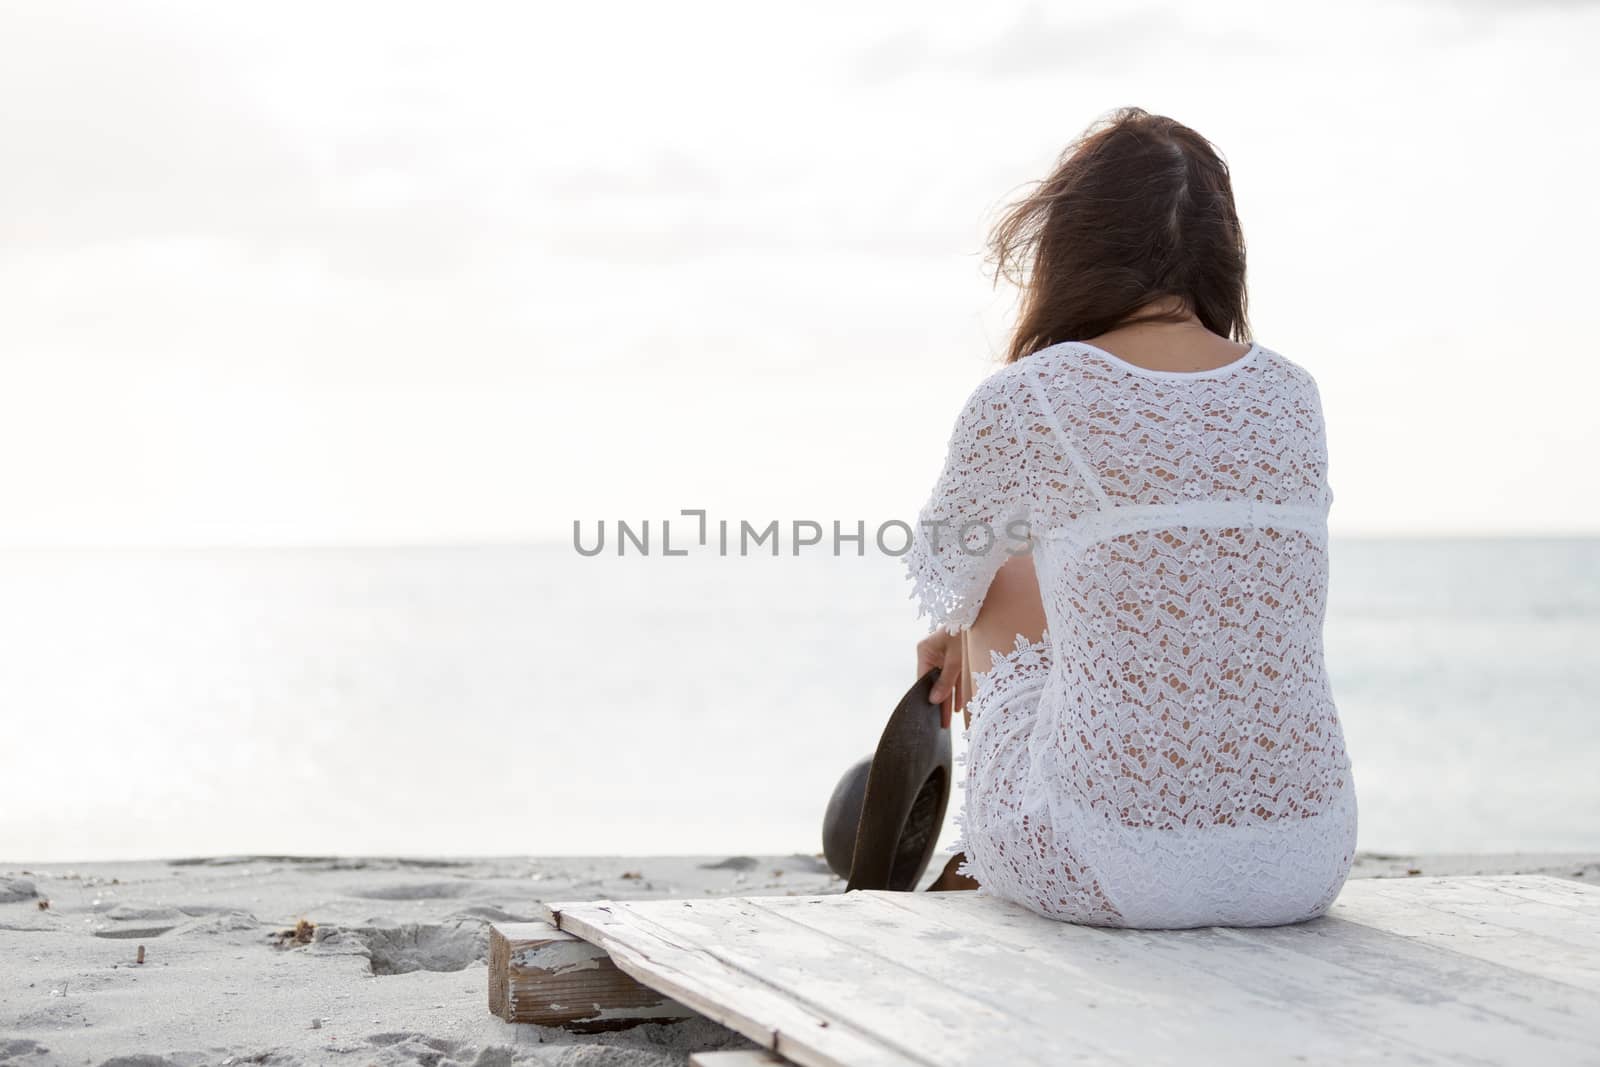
1170,754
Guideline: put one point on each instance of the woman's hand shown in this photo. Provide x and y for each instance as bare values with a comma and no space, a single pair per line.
943,651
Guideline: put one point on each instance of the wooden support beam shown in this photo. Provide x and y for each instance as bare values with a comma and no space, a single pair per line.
538,974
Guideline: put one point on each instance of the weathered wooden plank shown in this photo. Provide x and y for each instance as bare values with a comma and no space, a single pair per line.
1153,1005
888,978
1353,977
1542,887
1547,1020
1500,938
1416,1019
736,1058
1067,988
1203,990
746,1003
1524,906
1361,992
923,1018
538,974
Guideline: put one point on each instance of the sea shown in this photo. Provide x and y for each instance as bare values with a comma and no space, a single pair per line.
528,700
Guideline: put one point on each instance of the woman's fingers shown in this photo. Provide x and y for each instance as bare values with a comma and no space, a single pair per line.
948,661
943,651
945,696
941,685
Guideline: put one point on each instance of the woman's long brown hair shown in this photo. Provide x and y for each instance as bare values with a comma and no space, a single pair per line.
1139,210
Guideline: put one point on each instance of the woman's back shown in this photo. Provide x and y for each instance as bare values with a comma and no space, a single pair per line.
1180,540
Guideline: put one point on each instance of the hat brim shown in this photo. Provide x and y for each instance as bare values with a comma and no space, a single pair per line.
908,791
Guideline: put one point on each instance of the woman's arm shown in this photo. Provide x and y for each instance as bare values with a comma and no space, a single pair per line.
1012,607
975,520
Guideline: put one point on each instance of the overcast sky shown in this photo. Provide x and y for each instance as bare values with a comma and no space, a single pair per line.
374,272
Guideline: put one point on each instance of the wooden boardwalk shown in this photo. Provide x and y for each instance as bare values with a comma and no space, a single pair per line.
1502,970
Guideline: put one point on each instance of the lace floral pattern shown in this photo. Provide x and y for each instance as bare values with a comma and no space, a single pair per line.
1012,851
1177,727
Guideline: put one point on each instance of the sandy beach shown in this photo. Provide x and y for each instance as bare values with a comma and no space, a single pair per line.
389,965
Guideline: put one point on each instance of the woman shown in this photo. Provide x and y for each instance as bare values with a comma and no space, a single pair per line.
1130,539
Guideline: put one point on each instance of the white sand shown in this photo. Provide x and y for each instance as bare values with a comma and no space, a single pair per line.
395,971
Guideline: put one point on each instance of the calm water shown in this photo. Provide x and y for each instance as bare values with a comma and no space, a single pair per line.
527,700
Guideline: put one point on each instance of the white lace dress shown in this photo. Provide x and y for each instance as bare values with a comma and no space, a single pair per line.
1170,754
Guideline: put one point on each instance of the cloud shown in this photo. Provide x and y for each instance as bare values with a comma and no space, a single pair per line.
667,172
120,131
126,130
1034,44
1512,7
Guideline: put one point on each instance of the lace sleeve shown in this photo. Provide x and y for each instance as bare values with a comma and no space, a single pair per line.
1320,457
977,513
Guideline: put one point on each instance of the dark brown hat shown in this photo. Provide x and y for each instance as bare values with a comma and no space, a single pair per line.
883,820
